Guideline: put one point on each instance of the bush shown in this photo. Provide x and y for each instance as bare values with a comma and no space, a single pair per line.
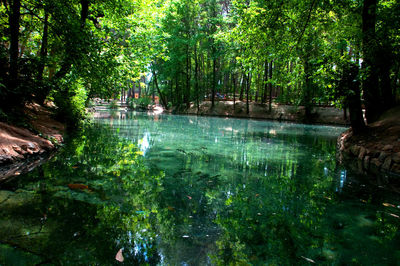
113,105
140,103
71,104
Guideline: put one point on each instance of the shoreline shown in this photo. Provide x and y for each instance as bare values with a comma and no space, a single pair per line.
287,113
21,148
377,150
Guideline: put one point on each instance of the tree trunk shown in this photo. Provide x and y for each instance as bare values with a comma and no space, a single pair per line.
196,77
188,70
247,92
213,87
14,21
234,91
373,101
257,87
354,99
43,48
162,98
84,12
270,86
307,87
139,89
242,86
264,96
385,63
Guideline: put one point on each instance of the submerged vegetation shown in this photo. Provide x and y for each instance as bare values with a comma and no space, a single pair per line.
96,190
263,193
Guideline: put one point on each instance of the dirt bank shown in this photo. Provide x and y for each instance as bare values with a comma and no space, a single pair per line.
18,143
376,150
321,115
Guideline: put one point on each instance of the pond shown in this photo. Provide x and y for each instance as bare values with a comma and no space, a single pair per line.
187,190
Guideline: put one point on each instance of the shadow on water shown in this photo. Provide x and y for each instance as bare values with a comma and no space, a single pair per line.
185,190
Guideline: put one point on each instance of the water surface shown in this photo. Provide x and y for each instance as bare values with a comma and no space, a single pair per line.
187,190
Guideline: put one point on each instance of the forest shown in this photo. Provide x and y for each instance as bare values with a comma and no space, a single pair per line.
153,188
316,52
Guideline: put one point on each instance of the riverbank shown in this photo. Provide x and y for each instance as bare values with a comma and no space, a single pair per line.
18,143
320,115
376,150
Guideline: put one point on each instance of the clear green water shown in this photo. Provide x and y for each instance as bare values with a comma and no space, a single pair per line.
186,190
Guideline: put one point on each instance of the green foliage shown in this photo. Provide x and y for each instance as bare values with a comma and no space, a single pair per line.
71,104
288,50
139,103
113,105
62,50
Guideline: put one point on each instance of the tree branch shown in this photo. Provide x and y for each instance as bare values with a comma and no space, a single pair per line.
305,25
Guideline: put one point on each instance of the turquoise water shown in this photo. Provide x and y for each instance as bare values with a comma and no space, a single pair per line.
187,190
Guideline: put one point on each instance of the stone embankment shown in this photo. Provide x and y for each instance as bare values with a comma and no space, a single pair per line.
378,149
18,143
279,112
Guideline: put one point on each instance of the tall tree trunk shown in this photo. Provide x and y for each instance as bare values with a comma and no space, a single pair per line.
171,91
43,48
84,12
270,86
196,77
257,87
177,90
248,92
394,82
352,83
385,63
139,89
234,91
188,70
14,21
372,97
214,82
242,86
307,88
264,96
162,97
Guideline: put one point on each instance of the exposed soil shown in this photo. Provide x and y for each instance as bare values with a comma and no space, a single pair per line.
320,115
378,149
18,143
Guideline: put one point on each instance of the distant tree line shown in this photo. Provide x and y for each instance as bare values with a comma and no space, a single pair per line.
343,53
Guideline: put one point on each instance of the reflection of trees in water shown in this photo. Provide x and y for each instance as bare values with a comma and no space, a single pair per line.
111,209
267,192
260,203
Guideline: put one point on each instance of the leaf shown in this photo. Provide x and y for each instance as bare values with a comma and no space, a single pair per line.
119,257
78,186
